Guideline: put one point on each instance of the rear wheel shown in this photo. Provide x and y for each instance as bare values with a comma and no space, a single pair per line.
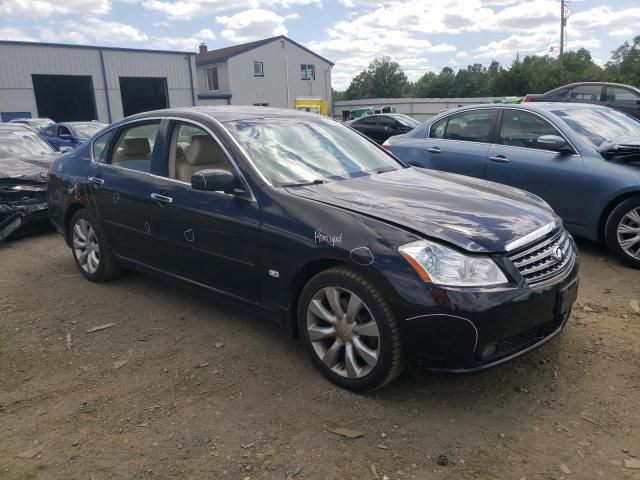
349,330
622,232
91,249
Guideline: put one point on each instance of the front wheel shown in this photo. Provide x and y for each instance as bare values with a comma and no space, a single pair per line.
622,232
91,249
349,330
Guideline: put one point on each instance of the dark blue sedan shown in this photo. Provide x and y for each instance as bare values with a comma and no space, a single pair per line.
584,160
70,135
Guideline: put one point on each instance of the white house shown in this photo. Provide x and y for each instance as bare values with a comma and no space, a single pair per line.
273,72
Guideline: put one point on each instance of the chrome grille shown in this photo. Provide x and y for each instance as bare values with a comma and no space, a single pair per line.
542,263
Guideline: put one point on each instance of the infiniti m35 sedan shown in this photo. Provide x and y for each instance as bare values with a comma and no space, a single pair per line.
373,263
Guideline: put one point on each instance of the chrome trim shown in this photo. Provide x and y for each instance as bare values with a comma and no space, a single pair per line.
531,237
185,120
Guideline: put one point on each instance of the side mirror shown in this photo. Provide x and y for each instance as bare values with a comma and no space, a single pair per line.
554,143
65,149
214,180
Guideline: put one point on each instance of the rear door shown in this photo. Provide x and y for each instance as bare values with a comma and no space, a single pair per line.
623,99
65,137
120,183
459,143
211,238
519,161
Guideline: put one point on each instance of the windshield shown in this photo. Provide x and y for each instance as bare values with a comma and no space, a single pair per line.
292,151
87,130
16,144
597,125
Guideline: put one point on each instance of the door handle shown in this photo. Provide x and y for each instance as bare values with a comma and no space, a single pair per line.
434,150
95,180
161,198
499,159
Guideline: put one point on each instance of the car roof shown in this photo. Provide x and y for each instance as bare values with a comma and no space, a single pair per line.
533,106
228,113
14,127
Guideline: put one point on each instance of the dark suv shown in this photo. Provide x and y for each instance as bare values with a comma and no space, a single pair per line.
621,97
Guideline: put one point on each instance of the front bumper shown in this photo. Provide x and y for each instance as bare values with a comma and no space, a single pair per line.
480,328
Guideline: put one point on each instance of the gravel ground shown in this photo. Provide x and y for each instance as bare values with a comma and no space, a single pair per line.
179,386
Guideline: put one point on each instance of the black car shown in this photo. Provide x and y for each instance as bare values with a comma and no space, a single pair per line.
380,127
372,262
25,159
621,97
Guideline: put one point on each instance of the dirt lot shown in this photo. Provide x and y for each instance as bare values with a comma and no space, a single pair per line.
182,387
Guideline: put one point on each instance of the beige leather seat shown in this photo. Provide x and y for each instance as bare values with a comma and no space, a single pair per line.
203,153
133,149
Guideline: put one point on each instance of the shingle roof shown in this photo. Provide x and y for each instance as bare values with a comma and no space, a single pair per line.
223,54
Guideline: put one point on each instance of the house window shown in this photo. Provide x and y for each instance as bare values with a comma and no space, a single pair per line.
258,69
212,78
307,72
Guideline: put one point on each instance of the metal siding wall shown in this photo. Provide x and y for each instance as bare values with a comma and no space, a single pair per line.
19,62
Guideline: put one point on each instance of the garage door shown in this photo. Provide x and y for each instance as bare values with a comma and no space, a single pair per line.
143,94
65,98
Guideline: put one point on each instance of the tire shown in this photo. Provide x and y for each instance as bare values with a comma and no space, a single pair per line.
361,347
627,216
102,265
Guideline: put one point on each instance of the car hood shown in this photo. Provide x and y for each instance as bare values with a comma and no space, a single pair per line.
26,167
473,214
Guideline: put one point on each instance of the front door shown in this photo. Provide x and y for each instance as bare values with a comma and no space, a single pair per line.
459,143
120,184
211,238
519,161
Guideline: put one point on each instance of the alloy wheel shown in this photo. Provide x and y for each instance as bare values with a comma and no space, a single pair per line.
85,246
343,332
629,233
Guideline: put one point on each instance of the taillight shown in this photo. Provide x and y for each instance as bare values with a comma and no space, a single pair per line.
386,145
527,99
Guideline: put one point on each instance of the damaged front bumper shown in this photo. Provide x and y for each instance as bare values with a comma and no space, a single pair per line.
23,206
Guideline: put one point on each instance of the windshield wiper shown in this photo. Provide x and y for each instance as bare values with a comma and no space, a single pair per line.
303,184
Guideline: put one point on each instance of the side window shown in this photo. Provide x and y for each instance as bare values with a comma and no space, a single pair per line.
621,95
100,146
64,132
258,69
522,129
438,128
50,132
212,79
192,150
134,147
307,72
387,122
587,92
473,126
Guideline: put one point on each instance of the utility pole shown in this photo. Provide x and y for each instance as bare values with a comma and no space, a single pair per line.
563,24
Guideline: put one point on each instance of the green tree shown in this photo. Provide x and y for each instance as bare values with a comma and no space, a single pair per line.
624,66
382,79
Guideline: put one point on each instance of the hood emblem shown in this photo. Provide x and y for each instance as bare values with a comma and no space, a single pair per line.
558,254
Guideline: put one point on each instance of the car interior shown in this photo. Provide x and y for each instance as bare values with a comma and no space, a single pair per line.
521,129
135,146
195,150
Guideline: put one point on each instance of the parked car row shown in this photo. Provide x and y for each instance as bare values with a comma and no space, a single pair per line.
373,263
64,136
583,160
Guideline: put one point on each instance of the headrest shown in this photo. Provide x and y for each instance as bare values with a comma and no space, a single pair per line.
203,150
136,146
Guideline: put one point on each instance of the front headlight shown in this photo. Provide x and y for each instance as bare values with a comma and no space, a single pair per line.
442,265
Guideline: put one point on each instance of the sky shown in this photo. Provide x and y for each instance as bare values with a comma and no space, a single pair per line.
421,35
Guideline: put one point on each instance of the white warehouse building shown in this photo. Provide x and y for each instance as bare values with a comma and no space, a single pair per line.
73,82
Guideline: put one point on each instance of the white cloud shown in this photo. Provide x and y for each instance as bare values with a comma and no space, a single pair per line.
15,34
46,8
187,44
605,16
621,32
252,24
92,30
189,9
